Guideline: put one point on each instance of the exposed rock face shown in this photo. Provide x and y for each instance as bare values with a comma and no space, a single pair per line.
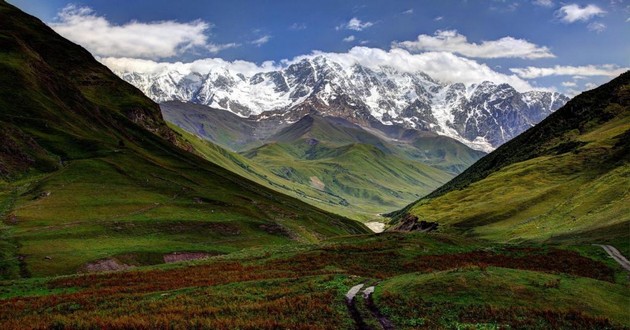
410,223
483,115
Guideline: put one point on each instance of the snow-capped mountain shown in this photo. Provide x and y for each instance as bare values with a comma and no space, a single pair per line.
483,115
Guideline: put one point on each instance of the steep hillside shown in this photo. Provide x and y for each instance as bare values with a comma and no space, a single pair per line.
219,126
92,179
567,178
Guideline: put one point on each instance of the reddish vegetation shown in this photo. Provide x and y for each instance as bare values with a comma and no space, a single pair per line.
552,261
434,314
386,264
526,318
123,299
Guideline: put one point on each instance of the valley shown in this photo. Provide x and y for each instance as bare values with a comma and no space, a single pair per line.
326,161
318,193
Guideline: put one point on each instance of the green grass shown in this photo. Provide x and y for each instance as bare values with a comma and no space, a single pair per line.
441,299
364,180
94,212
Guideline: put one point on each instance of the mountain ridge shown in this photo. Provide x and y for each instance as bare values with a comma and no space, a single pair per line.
483,115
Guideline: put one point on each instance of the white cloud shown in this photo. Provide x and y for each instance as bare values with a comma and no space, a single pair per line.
199,66
439,18
590,85
445,67
598,27
355,24
452,41
442,66
607,70
543,3
349,39
297,26
408,11
261,41
573,13
152,40
569,84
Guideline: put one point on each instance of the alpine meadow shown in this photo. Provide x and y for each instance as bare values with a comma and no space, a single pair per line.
300,165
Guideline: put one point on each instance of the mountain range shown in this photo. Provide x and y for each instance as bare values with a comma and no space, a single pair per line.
482,116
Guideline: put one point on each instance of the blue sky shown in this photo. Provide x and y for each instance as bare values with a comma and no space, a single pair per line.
569,46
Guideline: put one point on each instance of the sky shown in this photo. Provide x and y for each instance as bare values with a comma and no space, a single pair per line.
566,46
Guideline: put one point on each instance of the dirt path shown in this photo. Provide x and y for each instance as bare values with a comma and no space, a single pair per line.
356,315
616,255
354,312
386,324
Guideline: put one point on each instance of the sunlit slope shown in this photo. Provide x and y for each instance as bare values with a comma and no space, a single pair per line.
89,170
568,178
366,173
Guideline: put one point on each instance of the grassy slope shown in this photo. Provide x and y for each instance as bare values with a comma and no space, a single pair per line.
362,174
427,281
264,176
83,178
339,174
567,179
368,179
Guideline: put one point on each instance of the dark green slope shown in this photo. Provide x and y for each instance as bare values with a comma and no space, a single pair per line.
567,178
218,126
90,171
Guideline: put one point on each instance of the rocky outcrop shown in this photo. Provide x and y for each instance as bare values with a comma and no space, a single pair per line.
410,223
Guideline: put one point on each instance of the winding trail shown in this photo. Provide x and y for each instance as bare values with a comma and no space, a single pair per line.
354,312
386,324
616,255
369,302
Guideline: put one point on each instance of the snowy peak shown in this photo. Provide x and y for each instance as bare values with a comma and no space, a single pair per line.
483,115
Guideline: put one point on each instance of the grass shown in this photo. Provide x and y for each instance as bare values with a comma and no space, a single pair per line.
503,298
430,281
365,180
89,217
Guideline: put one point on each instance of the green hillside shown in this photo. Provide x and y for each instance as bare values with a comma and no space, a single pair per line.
566,179
90,171
367,173
325,161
